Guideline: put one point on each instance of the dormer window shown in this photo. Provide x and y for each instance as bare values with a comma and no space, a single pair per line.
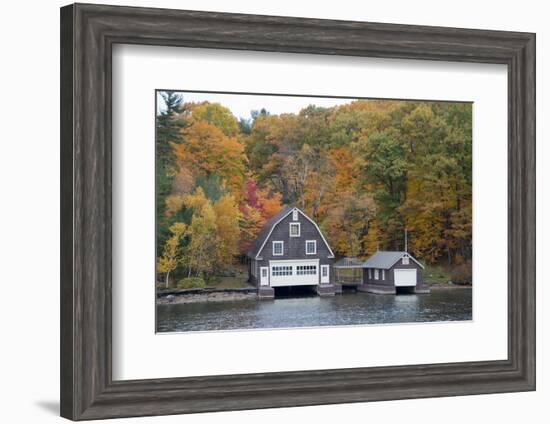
294,229
405,260
295,215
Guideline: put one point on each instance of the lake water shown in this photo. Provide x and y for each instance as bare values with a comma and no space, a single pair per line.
312,311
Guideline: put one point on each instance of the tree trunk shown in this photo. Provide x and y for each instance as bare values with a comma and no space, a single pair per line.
167,281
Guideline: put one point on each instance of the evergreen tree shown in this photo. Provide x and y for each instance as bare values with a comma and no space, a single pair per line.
168,126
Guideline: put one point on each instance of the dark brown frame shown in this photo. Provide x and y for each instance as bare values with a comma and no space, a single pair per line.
88,33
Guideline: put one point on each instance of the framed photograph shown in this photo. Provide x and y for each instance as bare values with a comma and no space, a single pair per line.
265,211
291,198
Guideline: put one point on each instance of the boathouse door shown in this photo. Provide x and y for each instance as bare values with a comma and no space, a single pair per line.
404,277
298,272
264,276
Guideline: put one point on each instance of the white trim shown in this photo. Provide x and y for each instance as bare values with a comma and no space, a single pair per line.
383,274
294,279
406,254
376,274
325,279
314,248
299,229
309,219
264,280
397,260
294,215
405,259
405,277
282,243
319,231
285,261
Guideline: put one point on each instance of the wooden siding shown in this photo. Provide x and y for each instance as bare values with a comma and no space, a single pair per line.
295,247
390,281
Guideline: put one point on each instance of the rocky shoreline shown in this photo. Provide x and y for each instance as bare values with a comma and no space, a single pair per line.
175,296
167,297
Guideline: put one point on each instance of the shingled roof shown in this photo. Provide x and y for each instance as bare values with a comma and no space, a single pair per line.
258,244
386,259
264,232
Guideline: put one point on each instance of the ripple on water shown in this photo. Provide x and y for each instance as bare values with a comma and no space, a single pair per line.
313,311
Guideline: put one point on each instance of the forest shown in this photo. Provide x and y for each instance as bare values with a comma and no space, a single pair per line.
365,171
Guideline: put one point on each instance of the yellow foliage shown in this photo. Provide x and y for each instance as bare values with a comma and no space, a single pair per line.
250,224
208,150
174,203
199,254
227,225
215,114
170,257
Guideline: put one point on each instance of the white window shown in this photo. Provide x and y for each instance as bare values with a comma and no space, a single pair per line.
278,248
295,215
405,260
294,229
264,272
376,274
311,247
306,270
278,271
370,273
383,274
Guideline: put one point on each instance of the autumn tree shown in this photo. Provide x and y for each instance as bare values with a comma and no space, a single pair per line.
347,221
198,256
207,150
258,205
168,132
365,171
171,256
216,115
227,230
439,197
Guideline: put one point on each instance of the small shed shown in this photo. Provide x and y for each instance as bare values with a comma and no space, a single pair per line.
387,272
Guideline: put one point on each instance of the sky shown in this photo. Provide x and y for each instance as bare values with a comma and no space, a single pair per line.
241,104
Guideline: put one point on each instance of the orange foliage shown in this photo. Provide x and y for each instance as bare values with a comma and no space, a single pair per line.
207,150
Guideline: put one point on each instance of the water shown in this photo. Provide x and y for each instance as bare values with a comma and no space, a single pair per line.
313,311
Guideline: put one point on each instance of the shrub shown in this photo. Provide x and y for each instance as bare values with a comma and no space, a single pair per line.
462,274
191,283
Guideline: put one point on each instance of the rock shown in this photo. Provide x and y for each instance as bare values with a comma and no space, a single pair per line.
170,298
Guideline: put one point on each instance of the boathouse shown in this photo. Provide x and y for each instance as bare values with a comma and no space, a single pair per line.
290,250
390,272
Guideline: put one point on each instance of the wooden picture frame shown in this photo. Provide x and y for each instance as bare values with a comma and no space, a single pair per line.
88,33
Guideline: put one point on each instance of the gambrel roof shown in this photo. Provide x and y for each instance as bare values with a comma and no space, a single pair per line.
386,259
258,244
